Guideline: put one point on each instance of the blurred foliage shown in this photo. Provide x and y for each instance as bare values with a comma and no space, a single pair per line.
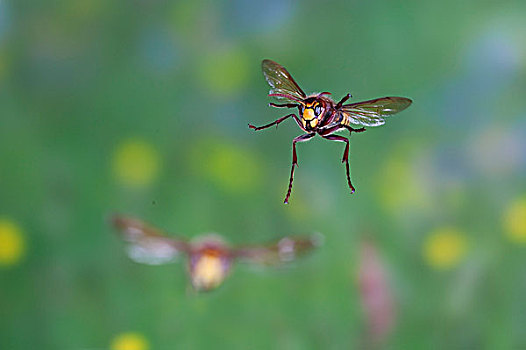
142,107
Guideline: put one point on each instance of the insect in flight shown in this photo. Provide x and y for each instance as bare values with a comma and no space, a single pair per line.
319,114
210,258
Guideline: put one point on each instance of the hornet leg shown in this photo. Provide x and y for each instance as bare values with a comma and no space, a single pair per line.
283,105
275,122
301,138
351,129
345,156
342,101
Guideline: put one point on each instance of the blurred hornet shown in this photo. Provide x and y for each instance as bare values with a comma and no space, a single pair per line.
319,114
210,258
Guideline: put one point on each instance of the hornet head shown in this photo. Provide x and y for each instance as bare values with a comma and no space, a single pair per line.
311,113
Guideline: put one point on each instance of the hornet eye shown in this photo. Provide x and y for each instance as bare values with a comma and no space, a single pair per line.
317,110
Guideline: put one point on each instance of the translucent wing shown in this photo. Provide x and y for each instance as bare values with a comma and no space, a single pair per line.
373,112
147,245
284,250
281,82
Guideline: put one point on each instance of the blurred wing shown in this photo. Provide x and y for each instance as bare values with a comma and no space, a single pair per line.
282,251
372,112
281,82
147,245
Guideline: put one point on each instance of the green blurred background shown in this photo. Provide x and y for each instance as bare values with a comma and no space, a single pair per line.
141,107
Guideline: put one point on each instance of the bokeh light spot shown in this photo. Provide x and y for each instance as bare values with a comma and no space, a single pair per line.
233,168
400,187
515,221
225,72
445,247
12,245
229,166
136,163
129,341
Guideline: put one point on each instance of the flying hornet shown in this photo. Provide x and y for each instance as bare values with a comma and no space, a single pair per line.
320,114
209,257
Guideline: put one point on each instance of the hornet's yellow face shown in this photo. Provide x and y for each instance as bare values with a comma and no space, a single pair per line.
311,115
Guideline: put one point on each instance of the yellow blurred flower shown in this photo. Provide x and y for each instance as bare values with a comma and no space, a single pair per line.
12,244
445,247
136,163
515,221
225,72
129,341
229,166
